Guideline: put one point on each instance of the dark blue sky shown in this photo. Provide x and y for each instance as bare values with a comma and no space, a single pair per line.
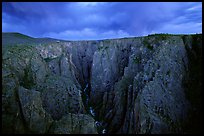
100,20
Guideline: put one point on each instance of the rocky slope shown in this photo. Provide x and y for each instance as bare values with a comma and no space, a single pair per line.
136,85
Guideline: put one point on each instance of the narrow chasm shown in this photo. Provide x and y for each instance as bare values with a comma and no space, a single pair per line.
85,57
193,83
89,108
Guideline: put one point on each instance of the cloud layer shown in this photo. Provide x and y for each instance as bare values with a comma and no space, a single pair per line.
100,20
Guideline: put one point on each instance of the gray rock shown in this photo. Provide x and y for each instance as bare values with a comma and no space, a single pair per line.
61,96
37,120
18,68
74,124
27,64
136,85
156,75
12,120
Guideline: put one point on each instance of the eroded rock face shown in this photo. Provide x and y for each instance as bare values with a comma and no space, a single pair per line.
36,118
132,85
162,101
150,96
74,124
35,96
109,61
61,96
21,66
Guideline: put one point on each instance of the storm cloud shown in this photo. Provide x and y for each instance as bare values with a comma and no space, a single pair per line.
101,20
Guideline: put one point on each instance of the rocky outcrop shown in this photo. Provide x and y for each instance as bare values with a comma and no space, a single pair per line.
108,63
61,96
23,67
36,118
74,124
131,85
35,97
150,96
162,102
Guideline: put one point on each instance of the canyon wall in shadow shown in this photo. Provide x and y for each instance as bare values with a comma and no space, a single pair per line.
148,84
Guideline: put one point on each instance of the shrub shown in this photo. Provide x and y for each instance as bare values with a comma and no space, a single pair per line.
147,44
136,60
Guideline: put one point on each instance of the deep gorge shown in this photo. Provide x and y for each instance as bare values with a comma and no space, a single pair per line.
135,85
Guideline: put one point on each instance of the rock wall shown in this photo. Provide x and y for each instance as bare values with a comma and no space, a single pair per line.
148,97
39,89
131,85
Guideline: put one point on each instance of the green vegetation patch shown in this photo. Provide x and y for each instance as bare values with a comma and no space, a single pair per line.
107,41
49,59
102,48
27,81
136,59
147,44
22,36
20,51
155,38
168,72
161,36
149,47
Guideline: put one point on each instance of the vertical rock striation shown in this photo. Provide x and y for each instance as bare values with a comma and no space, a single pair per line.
137,85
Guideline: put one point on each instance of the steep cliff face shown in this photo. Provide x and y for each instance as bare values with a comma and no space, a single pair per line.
193,83
40,90
131,85
148,96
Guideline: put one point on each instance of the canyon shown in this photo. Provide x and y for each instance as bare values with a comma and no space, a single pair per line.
138,85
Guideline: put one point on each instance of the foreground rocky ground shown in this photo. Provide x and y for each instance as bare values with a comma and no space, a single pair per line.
137,85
